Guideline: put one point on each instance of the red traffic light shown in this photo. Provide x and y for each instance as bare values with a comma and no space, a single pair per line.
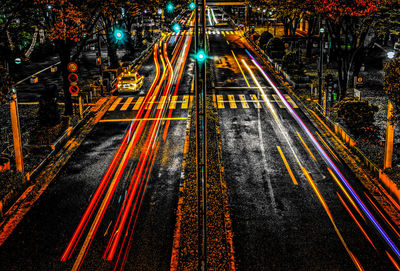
98,61
73,78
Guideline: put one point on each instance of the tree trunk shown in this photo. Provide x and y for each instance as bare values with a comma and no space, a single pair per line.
309,47
112,54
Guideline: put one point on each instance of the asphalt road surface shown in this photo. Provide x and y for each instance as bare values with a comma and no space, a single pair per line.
290,211
283,222
41,239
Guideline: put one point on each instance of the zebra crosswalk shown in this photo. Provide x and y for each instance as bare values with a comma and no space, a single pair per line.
223,32
229,101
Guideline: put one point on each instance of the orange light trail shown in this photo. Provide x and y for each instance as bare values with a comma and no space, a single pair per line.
328,212
396,265
355,220
135,193
382,215
345,192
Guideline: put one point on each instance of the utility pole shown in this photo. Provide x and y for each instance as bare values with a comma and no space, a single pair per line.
201,136
101,63
16,131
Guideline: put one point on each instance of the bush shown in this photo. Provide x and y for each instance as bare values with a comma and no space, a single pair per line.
275,48
11,181
359,118
290,60
265,37
255,37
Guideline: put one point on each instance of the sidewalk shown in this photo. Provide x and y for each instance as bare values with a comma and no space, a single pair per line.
17,211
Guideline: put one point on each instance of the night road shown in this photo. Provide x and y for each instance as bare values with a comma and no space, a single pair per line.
151,162
282,218
124,193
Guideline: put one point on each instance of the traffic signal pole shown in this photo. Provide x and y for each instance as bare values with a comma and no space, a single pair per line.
201,136
100,65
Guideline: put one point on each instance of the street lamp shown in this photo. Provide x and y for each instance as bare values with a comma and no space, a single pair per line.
388,155
192,5
391,54
320,66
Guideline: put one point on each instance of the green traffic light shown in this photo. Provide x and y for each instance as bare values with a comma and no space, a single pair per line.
176,28
118,34
201,56
170,7
192,5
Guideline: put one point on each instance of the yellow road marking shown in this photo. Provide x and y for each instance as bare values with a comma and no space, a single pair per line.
31,103
243,101
150,103
126,104
328,212
256,102
287,166
123,120
172,105
215,101
232,102
191,101
185,103
237,62
345,192
161,103
290,100
238,87
115,104
278,101
305,145
220,100
138,103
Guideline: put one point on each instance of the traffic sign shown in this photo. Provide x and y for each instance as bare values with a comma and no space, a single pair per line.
72,78
74,89
72,67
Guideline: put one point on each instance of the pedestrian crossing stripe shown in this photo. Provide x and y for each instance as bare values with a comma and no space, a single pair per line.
232,101
161,104
149,105
138,103
126,104
256,102
173,102
243,101
220,100
224,32
115,104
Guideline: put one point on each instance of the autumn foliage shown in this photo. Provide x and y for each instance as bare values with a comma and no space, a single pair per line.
337,8
67,20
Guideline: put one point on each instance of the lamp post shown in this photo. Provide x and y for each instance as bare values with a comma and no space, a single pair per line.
321,63
388,156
